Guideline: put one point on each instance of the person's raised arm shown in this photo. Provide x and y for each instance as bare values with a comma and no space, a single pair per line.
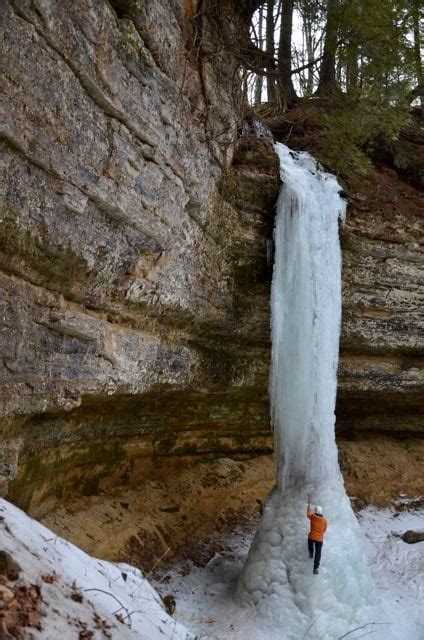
308,508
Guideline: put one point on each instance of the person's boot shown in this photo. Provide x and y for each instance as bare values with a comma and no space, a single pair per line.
316,571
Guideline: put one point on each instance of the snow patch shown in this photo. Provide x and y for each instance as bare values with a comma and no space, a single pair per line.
107,589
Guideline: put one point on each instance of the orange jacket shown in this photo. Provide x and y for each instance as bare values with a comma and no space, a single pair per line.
318,526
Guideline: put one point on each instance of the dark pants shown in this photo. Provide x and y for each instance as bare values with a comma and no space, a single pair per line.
318,548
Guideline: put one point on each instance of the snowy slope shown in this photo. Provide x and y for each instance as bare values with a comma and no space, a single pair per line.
105,589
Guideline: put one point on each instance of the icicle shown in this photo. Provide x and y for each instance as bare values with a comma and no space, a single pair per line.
306,318
306,315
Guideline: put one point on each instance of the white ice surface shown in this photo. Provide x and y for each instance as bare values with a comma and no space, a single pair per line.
206,605
306,318
103,587
205,597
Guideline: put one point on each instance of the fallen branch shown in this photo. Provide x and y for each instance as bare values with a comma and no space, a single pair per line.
117,600
364,626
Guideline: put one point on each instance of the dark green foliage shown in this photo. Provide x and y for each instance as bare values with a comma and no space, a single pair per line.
362,59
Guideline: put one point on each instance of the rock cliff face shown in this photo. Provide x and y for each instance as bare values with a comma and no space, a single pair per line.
380,417
133,262
381,370
133,266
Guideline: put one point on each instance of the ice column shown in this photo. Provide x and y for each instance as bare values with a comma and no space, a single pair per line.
306,318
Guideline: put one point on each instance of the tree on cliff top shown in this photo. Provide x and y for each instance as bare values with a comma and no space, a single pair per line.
362,58
337,44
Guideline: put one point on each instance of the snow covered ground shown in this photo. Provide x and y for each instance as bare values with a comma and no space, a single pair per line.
206,606
397,567
87,598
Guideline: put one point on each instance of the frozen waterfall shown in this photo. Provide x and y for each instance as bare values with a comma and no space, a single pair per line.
306,315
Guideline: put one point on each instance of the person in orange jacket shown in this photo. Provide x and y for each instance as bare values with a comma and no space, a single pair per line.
316,533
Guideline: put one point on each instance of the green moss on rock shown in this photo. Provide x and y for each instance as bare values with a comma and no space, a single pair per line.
57,473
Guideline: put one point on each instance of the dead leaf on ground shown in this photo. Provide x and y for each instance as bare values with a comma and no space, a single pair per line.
21,608
49,577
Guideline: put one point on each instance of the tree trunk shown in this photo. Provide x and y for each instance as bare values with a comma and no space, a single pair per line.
327,77
307,25
417,49
352,68
259,78
270,49
285,53
355,20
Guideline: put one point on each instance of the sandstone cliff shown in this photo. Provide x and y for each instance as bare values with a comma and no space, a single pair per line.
381,372
380,417
133,263
135,216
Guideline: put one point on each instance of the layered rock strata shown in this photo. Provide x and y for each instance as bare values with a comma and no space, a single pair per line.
133,255
381,376
381,373
133,262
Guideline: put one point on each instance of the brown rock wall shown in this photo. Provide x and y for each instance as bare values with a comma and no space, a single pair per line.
381,374
132,262
381,379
